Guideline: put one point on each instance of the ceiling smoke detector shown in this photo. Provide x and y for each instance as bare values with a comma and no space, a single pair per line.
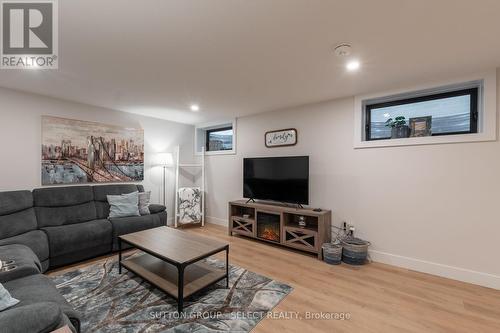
343,50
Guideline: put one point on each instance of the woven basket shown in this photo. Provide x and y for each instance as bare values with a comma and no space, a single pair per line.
355,251
332,253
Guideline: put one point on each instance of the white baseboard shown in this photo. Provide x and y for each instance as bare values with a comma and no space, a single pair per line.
170,221
451,272
216,220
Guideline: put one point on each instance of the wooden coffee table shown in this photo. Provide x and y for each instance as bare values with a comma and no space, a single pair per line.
172,261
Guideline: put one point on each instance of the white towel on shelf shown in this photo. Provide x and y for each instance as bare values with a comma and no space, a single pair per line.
189,205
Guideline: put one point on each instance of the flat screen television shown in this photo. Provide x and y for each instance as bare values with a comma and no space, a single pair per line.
283,179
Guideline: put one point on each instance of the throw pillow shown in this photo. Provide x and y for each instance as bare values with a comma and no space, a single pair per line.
6,301
124,205
144,198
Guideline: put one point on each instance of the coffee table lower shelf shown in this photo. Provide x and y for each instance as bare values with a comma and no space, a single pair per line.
166,276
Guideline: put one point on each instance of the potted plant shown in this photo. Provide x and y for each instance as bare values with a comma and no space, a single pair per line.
399,128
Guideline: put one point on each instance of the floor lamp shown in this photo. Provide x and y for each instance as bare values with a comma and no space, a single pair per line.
165,160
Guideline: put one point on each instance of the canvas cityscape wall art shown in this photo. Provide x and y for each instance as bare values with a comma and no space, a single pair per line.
75,151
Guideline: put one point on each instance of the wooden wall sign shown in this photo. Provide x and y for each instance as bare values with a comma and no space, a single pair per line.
280,138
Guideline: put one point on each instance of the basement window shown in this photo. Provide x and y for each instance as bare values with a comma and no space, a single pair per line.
442,113
216,138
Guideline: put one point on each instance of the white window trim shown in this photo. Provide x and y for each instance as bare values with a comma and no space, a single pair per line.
212,125
487,122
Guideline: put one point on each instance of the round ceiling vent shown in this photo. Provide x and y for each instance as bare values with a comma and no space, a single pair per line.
343,50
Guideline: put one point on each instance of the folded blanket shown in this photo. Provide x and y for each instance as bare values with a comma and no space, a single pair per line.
189,205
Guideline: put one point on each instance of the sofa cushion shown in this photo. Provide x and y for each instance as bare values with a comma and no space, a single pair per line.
6,300
127,225
15,201
144,199
41,317
102,191
38,288
62,196
16,213
24,260
78,237
124,205
36,240
64,205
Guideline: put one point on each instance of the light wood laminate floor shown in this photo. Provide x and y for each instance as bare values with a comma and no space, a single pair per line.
377,297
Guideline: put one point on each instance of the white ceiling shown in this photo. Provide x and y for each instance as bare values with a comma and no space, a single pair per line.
239,57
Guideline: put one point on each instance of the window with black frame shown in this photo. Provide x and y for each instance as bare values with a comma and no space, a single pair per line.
219,139
445,113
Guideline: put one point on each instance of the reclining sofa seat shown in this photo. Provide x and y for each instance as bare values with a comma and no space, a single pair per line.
126,225
68,216
18,224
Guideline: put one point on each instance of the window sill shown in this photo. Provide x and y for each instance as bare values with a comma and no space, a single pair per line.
429,140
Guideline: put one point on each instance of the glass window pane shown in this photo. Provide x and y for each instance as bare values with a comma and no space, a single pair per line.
449,115
220,140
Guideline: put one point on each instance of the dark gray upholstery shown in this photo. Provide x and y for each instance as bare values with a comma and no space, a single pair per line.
56,216
36,240
54,227
17,223
25,262
127,225
15,201
62,196
64,205
155,208
81,240
101,193
38,288
16,213
43,317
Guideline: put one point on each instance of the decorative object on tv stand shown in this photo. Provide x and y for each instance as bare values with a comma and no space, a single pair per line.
302,221
399,128
421,126
164,160
281,138
75,151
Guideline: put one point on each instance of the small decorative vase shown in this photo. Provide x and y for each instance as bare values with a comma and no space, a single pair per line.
302,222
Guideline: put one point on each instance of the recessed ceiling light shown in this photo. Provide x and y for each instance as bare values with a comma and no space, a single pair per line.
195,107
353,65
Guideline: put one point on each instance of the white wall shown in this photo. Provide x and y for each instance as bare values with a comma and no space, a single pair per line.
20,135
430,208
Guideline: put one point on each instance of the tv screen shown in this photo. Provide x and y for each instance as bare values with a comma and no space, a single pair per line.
284,179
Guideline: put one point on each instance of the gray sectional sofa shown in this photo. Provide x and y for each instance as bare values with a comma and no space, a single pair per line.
52,227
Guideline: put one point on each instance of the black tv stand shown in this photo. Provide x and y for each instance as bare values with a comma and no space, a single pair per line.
250,200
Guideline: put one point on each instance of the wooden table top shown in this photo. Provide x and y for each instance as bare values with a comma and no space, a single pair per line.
174,245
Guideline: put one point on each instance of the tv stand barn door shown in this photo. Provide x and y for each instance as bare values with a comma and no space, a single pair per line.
279,224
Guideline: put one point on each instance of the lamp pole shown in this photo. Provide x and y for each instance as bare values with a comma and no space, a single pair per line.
164,186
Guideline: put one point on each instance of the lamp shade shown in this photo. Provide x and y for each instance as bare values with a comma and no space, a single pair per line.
164,159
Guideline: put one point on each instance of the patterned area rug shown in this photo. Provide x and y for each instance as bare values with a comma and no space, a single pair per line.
110,302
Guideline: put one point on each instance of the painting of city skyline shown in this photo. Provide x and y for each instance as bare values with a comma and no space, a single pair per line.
75,151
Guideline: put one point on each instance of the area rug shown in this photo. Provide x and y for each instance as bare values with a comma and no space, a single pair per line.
110,302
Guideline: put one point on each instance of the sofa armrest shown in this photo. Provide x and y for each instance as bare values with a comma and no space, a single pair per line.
24,262
36,318
156,208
